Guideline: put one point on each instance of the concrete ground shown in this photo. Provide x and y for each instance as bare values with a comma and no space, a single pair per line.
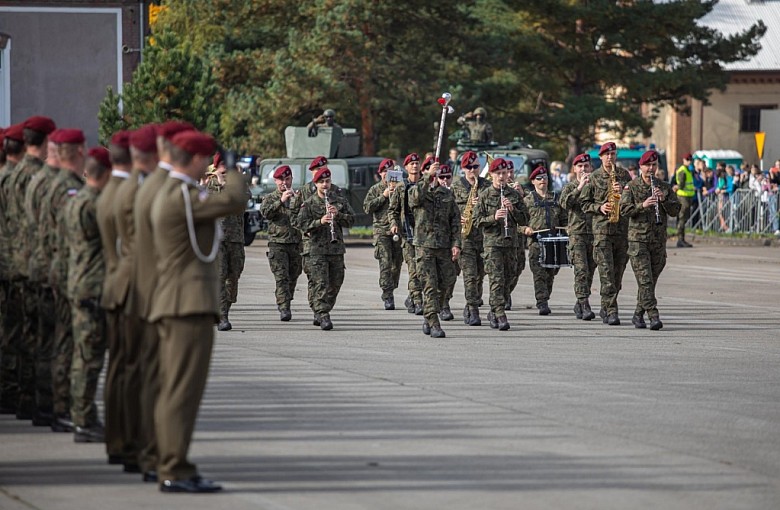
554,414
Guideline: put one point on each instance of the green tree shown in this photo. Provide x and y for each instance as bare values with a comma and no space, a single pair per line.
109,116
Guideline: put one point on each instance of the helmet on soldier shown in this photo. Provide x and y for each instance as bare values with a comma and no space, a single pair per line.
329,113
480,111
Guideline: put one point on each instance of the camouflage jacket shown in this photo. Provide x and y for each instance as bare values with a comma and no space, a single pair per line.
493,230
436,216
281,218
461,189
595,194
37,189
544,213
5,244
401,214
579,220
641,221
18,222
63,190
305,192
378,205
319,235
86,268
232,226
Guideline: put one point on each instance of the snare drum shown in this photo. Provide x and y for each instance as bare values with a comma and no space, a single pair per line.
553,251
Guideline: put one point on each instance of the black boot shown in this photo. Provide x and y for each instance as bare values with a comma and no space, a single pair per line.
655,323
587,313
638,321
409,304
62,423
466,315
437,332
418,309
508,304
224,323
390,303
316,321
578,310
503,323
446,314
474,320
544,309
426,327
285,315
603,315
492,320
325,322
613,319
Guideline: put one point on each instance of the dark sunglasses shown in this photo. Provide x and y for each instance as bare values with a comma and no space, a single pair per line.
540,178
471,167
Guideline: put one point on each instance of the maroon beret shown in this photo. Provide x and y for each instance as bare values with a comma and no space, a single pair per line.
498,164
40,123
15,132
121,139
445,171
385,165
195,142
410,158
217,159
581,158
688,156
648,157
539,170
75,136
318,162
509,164
283,172
144,138
322,173
100,154
427,163
468,158
607,147
171,128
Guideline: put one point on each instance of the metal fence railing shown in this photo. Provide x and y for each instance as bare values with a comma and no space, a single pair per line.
743,211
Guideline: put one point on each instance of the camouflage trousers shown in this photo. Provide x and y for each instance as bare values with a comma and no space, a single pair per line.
449,291
520,256
647,261
327,275
27,346
286,265
44,349
390,256
543,276
472,266
89,350
306,263
581,258
415,285
62,354
611,256
9,345
685,213
437,273
231,264
500,265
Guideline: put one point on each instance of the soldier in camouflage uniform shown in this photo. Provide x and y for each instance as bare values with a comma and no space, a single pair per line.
11,328
647,202
580,236
499,211
610,248
519,240
231,249
86,271
470,261
322,216
32,401
284,240
402,223
387,248
545,213
436,241
479,130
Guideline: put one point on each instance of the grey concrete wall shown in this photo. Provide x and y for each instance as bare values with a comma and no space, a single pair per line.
61,64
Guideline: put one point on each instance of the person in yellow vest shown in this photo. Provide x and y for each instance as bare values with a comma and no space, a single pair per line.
685,193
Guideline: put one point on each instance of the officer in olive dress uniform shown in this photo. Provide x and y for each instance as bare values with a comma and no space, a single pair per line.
499,211
185,302
322,218
545,214
86,272
34,399
231,249
436,240
610,248
402,224
580,236
387,246
284,240
471,262
146,277
647,203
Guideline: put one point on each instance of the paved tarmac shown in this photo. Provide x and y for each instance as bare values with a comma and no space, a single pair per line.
554,414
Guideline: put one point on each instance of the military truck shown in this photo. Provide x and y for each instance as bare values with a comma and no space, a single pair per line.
353,173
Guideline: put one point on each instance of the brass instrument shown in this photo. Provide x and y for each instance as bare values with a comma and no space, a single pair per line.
507,232
614,197
468,212
652,193
333,237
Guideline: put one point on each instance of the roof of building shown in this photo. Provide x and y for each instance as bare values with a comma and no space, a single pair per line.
731,16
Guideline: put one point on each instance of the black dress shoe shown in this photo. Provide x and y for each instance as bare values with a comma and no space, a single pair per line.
42,418
437,332
578,310
446,314
149,476
194,485
116,459
224,326
544,309
503,323
131,467
390,303
492,320
316,321
613,319
325,323
656,324
508,304
93,434
638,321
285,315
426,327
418,310
63,423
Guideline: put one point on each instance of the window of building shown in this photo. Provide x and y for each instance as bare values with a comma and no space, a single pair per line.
750,116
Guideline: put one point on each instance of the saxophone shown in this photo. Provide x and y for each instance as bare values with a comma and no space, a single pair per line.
468,212
614,197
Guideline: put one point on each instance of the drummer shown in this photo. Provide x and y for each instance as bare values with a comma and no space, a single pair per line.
547,220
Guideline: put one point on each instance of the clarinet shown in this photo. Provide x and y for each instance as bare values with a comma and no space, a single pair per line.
507,231
333,237
657,208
